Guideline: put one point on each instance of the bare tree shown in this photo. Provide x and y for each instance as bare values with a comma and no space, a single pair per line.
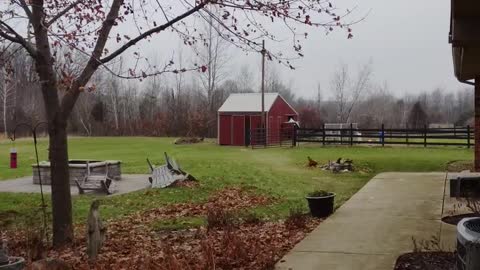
339,84
113,89
319,97
7,95
245,80
349,91
214,54
86,26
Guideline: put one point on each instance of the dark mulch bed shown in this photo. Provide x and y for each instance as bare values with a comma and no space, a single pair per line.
454,220
438,260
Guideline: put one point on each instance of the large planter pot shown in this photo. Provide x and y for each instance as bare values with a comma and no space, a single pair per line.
16,263
321,206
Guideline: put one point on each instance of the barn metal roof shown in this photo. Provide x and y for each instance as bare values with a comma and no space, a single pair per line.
248,102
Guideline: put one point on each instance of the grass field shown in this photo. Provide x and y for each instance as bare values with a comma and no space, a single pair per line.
278,172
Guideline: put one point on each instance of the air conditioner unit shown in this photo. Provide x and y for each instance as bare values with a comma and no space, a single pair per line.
468,244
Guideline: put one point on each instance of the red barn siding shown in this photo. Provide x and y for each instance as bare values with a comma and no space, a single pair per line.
238,130
232,124
278,114
281,108
255,121
225,130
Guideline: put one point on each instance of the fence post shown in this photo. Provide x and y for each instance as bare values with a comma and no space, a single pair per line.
294,141
351,134
382,135
468,136
265,137
406,133
424,135
341,134
454,130
323,134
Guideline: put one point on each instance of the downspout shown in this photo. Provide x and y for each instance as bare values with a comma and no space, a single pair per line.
476,130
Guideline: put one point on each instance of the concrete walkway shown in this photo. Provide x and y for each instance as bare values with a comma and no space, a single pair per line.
129,183
377,225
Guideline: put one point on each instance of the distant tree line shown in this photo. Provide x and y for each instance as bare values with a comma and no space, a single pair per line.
183,104
357,98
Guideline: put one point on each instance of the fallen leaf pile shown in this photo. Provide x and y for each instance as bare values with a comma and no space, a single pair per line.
228,199
132,244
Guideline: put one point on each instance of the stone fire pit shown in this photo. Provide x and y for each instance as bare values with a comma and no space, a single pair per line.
78,169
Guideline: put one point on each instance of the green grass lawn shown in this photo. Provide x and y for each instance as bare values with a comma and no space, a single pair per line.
278,172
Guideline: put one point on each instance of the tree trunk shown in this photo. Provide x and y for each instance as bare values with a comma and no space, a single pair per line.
5,128
477,124
58,155
61,198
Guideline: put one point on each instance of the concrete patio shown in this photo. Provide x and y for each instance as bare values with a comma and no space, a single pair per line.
377,225
129,183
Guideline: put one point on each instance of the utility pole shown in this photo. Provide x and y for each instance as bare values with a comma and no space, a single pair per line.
263,84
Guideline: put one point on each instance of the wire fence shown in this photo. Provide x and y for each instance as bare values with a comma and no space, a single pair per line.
261,138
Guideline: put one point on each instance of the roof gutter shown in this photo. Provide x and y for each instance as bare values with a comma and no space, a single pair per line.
467,82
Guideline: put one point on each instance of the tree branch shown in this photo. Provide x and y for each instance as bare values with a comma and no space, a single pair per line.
63,12
153,31
93,63
17,39
8,37
24,5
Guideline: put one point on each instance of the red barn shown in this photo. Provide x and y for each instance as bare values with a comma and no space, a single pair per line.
241,114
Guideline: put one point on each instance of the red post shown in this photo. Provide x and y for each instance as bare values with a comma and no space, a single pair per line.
476,129
13,158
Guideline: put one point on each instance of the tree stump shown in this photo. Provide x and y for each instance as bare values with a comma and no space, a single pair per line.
96,231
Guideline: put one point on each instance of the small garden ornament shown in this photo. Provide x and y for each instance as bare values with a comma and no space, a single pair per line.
96,231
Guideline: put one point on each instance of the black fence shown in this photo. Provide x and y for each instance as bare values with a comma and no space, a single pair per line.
457,136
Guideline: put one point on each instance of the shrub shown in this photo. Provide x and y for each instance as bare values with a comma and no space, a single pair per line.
235,249
251,218
297,219
319,193
219,218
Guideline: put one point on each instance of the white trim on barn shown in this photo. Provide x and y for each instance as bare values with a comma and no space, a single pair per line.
289,105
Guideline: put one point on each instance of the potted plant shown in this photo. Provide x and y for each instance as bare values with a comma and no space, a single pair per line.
8,262
321,203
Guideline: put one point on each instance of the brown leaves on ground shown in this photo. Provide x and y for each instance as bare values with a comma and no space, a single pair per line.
132,244
228,199
438,260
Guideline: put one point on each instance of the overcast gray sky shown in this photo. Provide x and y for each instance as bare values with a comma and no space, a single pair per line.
407,42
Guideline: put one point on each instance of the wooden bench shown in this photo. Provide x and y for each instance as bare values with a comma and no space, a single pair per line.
96,182
175,167
165,175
